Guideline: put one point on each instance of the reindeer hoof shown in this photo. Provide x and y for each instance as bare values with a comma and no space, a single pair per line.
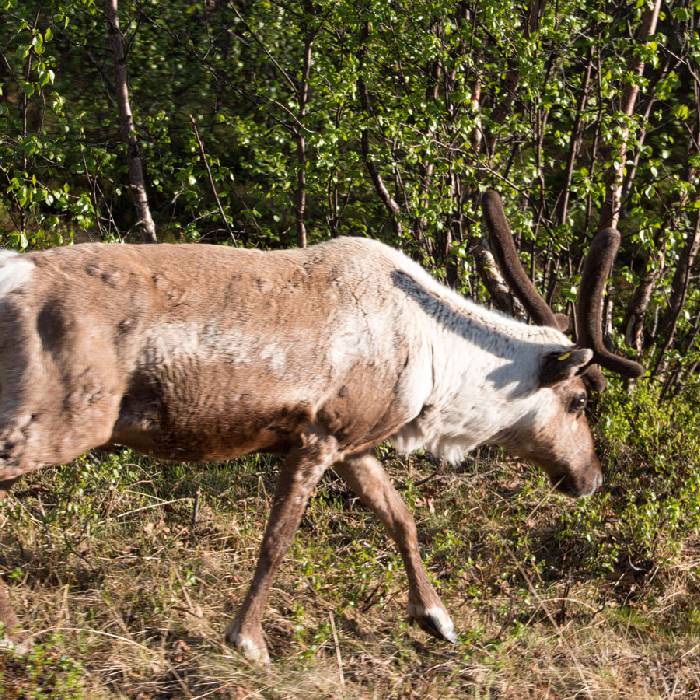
434,621
250,644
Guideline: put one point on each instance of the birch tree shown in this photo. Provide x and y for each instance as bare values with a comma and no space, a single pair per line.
137,185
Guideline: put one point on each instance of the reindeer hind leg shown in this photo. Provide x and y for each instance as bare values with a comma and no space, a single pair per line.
367,478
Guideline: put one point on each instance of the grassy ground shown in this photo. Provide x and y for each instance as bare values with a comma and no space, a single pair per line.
124,597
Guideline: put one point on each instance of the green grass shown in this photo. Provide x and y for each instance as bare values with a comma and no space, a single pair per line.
553,598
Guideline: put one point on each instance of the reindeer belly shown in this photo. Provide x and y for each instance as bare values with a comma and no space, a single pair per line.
213,413
205,395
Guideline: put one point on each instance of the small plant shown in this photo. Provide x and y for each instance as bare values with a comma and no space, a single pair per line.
44,673
651,503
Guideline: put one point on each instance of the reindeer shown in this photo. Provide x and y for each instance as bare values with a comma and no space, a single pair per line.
195,352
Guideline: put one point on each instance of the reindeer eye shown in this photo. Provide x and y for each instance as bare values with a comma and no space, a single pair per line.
578,404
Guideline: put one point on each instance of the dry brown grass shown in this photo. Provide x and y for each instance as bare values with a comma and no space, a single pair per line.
124,599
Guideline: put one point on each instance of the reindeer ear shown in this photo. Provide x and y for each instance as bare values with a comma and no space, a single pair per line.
562,365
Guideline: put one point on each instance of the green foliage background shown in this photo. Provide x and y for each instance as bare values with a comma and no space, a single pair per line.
459,97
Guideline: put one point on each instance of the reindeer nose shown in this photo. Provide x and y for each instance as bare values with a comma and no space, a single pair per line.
596,484
577,487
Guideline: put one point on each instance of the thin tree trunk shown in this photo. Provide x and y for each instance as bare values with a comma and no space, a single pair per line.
484,262
137,186
679,290
654,264
593,159
478,133
575,141
644,129
455,226
443,244
302,101
383,193
686,260
680,373
679,286
634,318
610,212
25,107
687,257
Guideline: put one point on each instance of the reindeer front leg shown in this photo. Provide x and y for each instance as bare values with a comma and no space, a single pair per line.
366,477
297,479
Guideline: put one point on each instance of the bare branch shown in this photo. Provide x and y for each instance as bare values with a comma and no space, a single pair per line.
212,184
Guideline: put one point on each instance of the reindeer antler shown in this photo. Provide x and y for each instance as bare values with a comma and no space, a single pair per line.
597,268
589,306
509,263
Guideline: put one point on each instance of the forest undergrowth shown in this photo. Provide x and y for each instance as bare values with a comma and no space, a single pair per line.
125,571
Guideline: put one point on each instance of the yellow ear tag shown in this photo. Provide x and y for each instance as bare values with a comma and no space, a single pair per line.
564,356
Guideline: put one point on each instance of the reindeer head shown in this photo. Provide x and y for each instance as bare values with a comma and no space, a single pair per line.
559,438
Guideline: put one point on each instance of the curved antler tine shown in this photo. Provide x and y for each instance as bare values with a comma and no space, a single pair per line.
589,307
509,263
